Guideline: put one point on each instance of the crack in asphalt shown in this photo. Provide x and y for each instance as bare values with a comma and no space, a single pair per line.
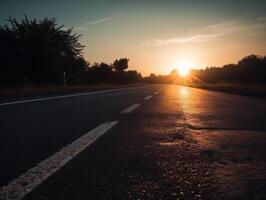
193,127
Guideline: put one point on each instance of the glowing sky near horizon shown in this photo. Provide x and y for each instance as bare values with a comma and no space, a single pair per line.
156,35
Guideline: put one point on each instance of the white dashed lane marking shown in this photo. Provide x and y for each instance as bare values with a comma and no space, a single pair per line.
148,97
130,109
25,183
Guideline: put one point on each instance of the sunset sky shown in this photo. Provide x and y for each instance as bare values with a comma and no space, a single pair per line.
157,36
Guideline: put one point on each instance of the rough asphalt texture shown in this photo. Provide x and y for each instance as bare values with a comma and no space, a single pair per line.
183,143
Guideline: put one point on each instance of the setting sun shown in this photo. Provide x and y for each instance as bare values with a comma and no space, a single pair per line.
183,71
184,66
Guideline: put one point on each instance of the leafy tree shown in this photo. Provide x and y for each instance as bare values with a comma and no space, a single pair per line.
105,73
99,73
249,70
132,76
121,64
38,52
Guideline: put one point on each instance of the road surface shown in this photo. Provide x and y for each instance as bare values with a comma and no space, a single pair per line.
151,142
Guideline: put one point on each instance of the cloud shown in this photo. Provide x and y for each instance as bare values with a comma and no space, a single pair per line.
211,32
180,40
99,21
106,19
80,28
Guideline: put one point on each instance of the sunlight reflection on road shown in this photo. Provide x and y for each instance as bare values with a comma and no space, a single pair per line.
216,110
184,92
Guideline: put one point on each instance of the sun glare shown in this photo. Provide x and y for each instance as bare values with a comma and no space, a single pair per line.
184,66
183,71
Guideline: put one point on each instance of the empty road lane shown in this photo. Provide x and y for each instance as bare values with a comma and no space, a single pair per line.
33,130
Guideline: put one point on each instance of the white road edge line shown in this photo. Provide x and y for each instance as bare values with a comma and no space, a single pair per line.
148,97
26,182
64,96
130,108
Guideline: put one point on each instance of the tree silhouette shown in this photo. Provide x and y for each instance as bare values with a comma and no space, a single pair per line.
132,76
121,64
105,73
249,70
38,52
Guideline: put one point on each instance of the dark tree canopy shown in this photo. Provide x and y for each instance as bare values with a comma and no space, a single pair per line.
38,52
121,64
106,73
249,70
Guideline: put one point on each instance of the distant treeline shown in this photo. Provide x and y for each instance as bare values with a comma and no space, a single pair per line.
251,70
39,52
164,79
111,73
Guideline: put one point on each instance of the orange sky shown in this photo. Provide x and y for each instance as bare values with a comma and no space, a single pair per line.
210,45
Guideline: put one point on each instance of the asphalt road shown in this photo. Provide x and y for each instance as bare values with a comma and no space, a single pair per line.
158,142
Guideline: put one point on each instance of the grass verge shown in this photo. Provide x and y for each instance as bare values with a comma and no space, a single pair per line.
248,90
